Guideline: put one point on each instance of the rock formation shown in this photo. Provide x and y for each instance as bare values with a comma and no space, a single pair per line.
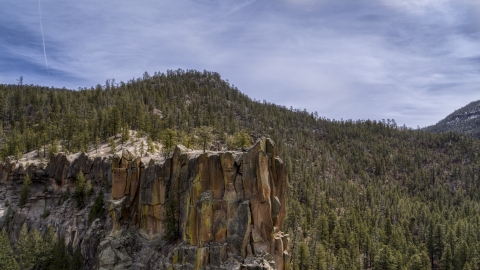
214,210
227,205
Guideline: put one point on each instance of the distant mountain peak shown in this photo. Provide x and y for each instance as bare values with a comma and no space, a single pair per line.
465,120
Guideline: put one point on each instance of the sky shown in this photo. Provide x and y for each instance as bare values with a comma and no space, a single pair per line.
415,61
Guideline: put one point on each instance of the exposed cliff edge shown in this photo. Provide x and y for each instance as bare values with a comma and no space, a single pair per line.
214,210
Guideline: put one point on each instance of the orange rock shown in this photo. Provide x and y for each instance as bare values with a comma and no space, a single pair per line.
229,173
203,175
229,202
216,176
119,181
263,180
205,218
220,226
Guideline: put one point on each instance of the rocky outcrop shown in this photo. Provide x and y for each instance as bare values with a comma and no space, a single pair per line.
225,205
195,210
50,203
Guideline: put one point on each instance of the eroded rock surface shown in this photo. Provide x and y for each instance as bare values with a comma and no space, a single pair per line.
225,209
229,206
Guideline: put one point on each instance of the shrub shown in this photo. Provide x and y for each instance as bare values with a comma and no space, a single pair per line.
25,190
97,208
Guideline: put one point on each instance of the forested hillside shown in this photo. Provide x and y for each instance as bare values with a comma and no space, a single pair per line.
464,120
361,194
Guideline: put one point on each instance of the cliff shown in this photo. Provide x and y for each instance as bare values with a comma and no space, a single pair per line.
214,210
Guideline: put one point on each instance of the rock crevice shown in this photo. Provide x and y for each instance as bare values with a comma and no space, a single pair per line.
226,205
194,210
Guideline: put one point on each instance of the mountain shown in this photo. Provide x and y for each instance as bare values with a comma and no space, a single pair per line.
360,194
465,120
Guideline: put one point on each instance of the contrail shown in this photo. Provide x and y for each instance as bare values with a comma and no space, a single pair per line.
43,37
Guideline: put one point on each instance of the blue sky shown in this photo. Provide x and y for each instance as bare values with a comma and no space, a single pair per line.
411,60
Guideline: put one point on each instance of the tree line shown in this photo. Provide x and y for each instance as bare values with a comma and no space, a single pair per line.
361,194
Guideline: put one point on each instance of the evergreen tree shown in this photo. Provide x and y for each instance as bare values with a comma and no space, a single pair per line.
241,139
125,134
61,259
446,262
80,190
76,260
168,137
7,258
385,259
25,190
113,146
303,260
46,251
28,247
205,136
97,208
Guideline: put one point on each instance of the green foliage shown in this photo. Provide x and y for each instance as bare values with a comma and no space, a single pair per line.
46,213
28,247
7,259
8,217
151,146
65,196
369,193
61,259
113,146
76,260
32,251
205,136
385,259
125,134
304,260
17,153
52,150
168,138
97,208
46,252
82,190
241,139
25,190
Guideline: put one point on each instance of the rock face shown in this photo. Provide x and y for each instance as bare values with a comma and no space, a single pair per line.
214,210
225,205
50,203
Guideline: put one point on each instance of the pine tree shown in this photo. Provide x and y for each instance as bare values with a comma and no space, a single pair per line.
25,190
46,251
320,263
28,247
303,260
113,146
61,260
97,208
446,262
205,135
76,260
385,260
80,190
168,139
7,258
242,139
125,134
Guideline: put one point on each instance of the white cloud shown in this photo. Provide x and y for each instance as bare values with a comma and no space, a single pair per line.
355,60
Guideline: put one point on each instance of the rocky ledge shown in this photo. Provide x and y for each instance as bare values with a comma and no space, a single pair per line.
228,207
194,210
